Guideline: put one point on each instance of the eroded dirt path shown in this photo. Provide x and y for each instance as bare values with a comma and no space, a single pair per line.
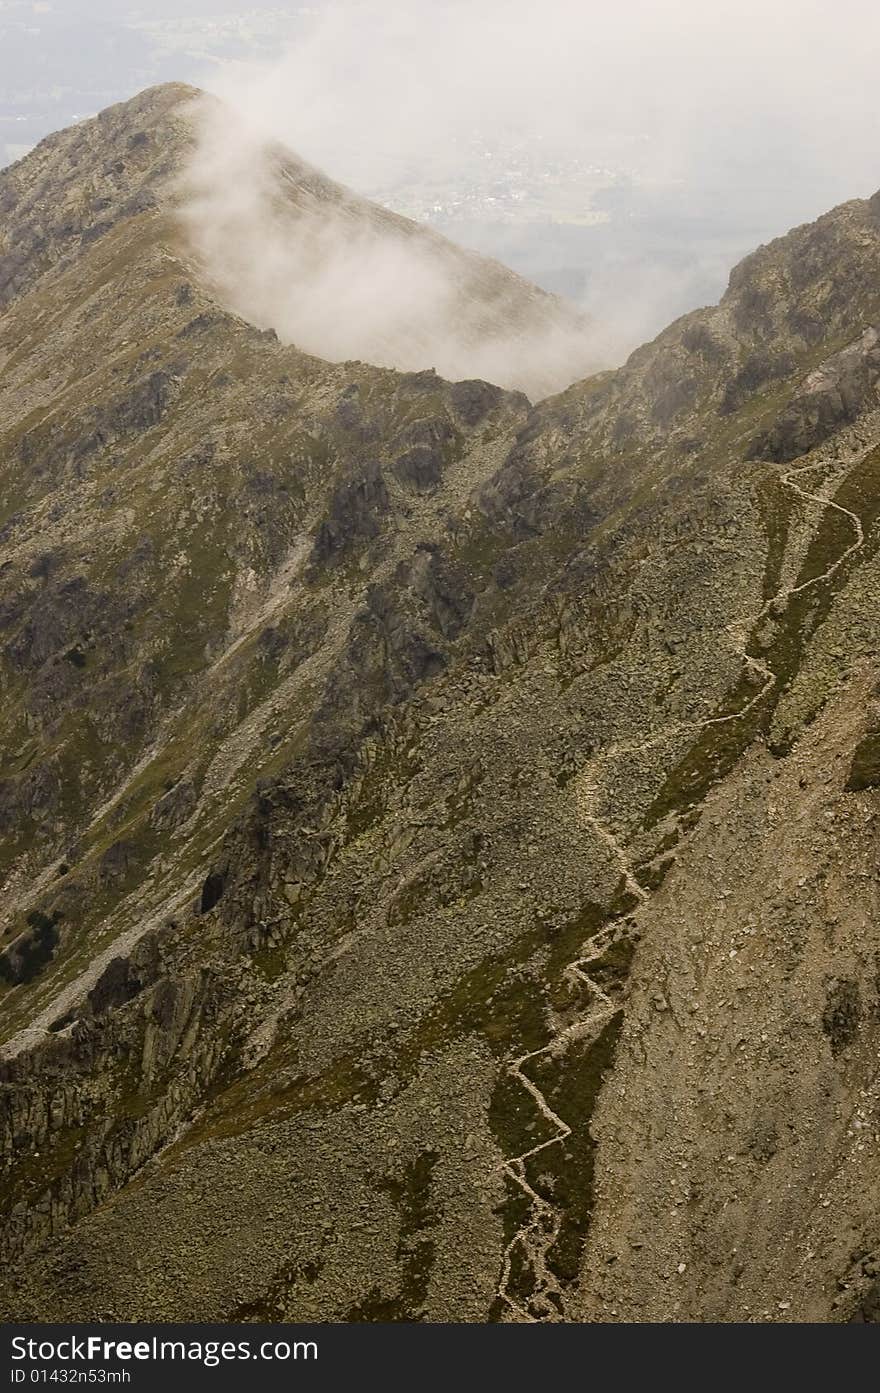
532,1244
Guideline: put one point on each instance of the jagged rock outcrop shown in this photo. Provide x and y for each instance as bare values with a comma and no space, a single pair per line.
835,394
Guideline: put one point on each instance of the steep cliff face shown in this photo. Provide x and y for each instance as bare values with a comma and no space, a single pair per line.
440,833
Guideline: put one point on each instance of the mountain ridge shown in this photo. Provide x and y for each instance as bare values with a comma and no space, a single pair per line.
485,934
172,149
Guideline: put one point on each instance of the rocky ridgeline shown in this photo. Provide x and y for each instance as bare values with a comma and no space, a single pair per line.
394,767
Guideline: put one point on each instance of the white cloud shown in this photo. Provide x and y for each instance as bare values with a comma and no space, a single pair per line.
287,249
379,82
770,100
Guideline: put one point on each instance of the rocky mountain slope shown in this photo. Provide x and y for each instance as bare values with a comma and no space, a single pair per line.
439,833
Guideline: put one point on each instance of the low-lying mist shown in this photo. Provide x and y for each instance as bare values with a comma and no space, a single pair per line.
287,249
737,120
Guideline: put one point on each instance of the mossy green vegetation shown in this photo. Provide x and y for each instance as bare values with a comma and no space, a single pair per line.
411,1192
865,768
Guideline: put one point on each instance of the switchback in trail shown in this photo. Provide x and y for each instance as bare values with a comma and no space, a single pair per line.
532,1244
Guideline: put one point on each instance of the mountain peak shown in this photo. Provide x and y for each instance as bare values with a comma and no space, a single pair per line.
158,100
280,244
80,182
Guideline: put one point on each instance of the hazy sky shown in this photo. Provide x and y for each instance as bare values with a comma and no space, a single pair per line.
745,91
735,94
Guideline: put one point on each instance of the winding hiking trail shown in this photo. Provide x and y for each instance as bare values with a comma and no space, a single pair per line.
535,1239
